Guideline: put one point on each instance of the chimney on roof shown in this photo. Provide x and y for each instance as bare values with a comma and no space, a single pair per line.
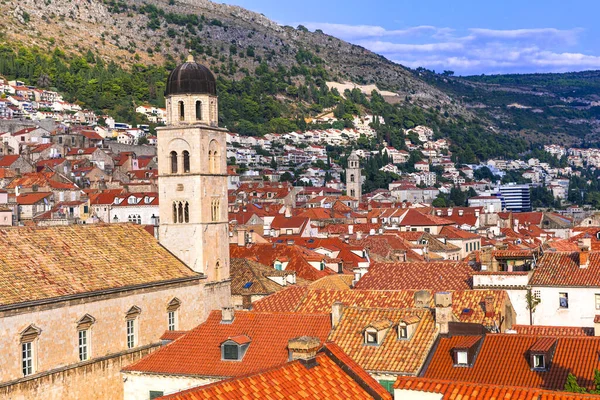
516,225
350,229
439,213
443,311
358,235
422,298
489,306
477,213
449,212
337,309
288,212
227,315
585,245
305,350
461,212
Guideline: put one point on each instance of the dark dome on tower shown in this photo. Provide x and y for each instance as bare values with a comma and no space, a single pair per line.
191,77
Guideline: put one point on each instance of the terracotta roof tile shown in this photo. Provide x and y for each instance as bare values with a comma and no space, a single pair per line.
452,390
392,355
335,376
539,330
562,269
198,353
434,276
503,359
43,263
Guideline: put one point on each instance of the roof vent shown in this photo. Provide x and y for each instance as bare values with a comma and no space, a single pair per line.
304,349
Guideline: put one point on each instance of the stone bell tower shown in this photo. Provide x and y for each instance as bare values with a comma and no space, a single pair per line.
192,179
353,177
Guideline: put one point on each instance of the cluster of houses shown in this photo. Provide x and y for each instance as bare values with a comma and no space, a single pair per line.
288,292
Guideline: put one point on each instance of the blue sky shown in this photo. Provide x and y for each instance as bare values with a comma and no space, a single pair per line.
465,36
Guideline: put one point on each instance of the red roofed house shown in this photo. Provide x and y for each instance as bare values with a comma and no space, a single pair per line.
413,220
285,225
466,241
16,163
33,204
229,344
96,156
325,374
515,360
16,140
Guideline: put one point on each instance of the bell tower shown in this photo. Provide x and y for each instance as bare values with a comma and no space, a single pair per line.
192,179
353,177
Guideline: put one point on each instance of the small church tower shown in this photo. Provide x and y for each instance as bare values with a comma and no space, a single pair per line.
353,177
192,179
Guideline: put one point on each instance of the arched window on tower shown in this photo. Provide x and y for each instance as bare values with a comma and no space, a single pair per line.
180,213
198,110
173,162
186,161
210,161
218,271
174,213
186,212
181,111
214,210
351,177
213,157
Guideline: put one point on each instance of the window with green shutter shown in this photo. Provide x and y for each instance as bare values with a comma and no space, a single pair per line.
387,385
155,394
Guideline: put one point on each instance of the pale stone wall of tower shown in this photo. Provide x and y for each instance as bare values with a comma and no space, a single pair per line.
209,109
354,178
201,240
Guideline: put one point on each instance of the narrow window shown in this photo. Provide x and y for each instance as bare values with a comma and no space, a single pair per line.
171,320
563,300
180,213
597,301
210,161
175,213
402,331
218,271
186,212
538,361
461,358
215,162
186,161
181,111
198,110
351,177
130,333
173,162
83,345
27,357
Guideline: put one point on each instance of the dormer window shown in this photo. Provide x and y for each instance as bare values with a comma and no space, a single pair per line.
234,348
407,327
375,333
278,266
465,350
540,353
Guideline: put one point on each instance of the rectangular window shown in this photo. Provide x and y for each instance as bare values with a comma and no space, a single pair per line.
130,333
371,337
597,301
428,230
563,299
83,345
155,394
230,352
27,358
171,317
402,332
461,358
538,361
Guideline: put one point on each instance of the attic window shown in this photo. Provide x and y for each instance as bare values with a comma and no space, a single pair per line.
465,350
539,361
371,338
462,358
234,348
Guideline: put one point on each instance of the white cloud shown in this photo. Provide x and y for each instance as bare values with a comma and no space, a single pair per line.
471,51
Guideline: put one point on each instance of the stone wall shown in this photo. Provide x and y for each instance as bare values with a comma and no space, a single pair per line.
96,379
57,344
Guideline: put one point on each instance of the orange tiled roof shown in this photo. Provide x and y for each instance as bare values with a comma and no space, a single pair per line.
542,330
562,269
305,300
198,353
335,376
393,355
452,390
27,199
503,360
434,276
337,282
412,217
455,233
44,263
172,335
